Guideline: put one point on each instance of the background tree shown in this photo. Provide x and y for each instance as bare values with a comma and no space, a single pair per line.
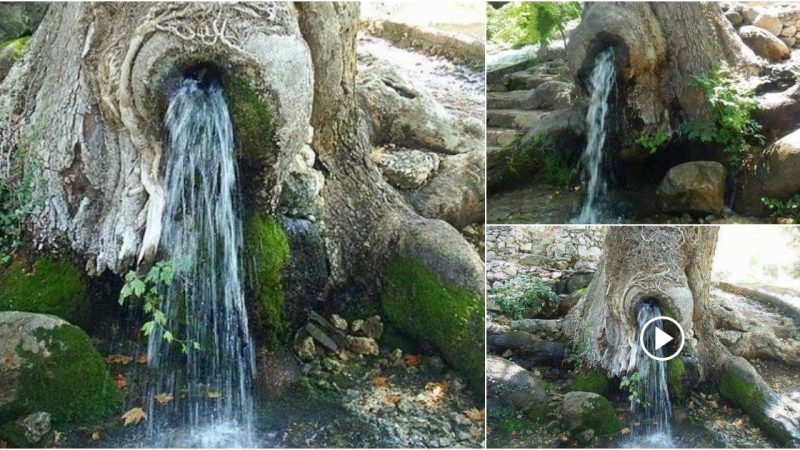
525,23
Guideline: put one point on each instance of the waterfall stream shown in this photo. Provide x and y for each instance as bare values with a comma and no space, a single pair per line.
205,305
601,83
652,408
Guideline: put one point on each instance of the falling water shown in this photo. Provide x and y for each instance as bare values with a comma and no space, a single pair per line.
652,409
202,235
601,84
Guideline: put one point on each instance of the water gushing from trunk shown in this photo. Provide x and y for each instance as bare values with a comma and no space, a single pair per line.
601,83
651,406
202,236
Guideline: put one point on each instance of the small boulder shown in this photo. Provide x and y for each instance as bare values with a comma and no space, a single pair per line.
764,43
769,22
406,169
338,322
696,187
373,327
305,348
789,31
588,411
579,281
772,174
734,18
515,385
361,345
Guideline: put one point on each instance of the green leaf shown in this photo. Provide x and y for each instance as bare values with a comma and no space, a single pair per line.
159,317
148,327
138,287
168,336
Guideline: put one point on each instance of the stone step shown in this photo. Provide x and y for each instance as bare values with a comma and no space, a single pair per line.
526,80
501,137
512,118
520,99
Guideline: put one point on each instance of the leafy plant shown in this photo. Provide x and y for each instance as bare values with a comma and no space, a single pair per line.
729,122
539,153
784,209
17,197
652,142
523,23
632,383
576,354
532,298
149,289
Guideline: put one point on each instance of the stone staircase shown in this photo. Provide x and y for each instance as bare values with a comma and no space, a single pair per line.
522,101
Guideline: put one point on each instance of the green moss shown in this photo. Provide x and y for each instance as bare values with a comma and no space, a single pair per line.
675,370
267,247
600,417
591,381
747,396
18,45
47,286
435,312
251,118
71,383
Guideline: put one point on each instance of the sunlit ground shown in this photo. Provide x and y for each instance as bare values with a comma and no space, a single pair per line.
765,254
465,17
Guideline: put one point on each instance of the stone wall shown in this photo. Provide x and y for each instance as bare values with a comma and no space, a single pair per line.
780,19
548,247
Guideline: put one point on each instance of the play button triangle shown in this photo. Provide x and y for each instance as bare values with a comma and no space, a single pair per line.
662,338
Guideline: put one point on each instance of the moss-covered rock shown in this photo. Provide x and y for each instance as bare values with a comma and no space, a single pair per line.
588,411
267,249
251,118
675,371
591,380
436,313
51,366
46,285
740,384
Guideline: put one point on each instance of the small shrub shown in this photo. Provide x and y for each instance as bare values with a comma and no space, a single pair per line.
528,299
524,23
785,211
539,154
576,354
18,199
652,142
729,123
633,384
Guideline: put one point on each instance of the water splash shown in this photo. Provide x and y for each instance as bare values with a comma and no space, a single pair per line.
202,235
652,409
601,84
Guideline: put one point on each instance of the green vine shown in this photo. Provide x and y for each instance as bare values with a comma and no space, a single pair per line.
633,384
784,211
149,289
652,142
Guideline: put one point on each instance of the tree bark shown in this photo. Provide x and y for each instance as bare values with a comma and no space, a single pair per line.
670,265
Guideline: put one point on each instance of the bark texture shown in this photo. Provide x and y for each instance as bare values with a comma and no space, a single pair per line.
671,265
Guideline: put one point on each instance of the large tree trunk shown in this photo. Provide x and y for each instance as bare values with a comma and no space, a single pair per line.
658,47
670,266
90,127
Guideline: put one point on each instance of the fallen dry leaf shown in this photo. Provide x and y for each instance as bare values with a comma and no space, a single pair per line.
142,359
214,395
475,414
120,381
563,437
625,430
95,435
739,423
118,359
164,398
435,393
134,416
380,381
412,360
476,431
393,398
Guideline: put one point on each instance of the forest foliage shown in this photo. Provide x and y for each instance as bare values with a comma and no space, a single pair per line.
525,23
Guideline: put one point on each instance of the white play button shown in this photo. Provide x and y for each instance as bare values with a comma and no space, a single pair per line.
662,338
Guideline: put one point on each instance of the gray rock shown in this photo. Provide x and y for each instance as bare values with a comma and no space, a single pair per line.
361,345
579,281
734,18
406,169
773,174
35,426
19,19
305,348
6,61
510,383
769,22
373,327
764,44
587,410
321,337
338,322
696,187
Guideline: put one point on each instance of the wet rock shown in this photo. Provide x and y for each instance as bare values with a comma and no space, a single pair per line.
304,348
696,187
764,44
361,345
588,411
511,383
768,22
406,169
772,174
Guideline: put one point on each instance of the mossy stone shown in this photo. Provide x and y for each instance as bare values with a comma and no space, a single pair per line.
267,248
437,313
46,285
17,45
600,417
675,371
251,117
70,381
591,380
